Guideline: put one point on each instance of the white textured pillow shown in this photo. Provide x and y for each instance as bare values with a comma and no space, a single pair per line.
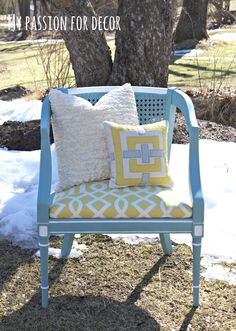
81,147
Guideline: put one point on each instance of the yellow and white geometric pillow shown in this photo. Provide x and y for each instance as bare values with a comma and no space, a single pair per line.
138,154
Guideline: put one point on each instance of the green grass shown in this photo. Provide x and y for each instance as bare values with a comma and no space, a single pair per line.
231,30
111,287
214,67
218,70
20,64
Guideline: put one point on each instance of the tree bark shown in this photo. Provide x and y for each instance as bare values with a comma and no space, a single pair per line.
105,7
227,5
24,9
223,15
193,21
35,7
89,53
143,45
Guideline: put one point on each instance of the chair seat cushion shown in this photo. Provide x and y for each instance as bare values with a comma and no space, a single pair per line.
97,200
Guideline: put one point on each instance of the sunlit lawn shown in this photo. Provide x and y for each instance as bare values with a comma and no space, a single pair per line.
21,64
214,67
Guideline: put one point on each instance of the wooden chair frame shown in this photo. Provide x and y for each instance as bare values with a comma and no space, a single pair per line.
153,104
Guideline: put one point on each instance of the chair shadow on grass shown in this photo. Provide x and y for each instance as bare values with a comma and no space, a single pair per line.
82,313
92,313
188,319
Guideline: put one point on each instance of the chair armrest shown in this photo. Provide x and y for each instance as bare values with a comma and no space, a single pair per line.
45,173
184,103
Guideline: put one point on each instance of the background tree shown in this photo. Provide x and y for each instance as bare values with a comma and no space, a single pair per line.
105,7
24,10
89,53
143,46
221,12
7,7
35,3
193,21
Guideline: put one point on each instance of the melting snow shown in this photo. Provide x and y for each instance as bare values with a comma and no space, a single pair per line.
226,36
19,173
20,110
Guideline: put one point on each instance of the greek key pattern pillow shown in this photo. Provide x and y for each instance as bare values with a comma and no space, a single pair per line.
138,154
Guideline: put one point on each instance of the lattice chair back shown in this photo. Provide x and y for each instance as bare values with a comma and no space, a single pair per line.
153,104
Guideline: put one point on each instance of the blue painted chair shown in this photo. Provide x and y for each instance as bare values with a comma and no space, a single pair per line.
154,104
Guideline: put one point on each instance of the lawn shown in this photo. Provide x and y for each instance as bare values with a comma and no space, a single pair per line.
21,63
220,31
233,5
214,67
112,286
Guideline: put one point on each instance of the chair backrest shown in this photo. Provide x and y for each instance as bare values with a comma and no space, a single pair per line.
153,104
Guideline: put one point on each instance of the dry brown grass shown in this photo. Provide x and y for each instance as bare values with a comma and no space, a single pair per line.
219,110
113,286
215,106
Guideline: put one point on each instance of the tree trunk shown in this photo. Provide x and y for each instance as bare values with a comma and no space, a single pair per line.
193,21
227,5
35,7
36,12
223,15
24,8
90,56
105,7
143,44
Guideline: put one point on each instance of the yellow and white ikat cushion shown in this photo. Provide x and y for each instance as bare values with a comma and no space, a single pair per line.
97,200
138,154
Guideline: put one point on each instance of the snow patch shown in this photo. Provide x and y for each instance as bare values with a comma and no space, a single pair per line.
135,239
19,173
215,271
76,251
188,52
20,110
227,36
36,41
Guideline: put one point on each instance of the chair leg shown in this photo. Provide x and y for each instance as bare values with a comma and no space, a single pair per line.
196,269
67,244
166,243
43,244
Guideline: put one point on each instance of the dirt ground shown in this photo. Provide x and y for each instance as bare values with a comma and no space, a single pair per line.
216,118
25,136
22,136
